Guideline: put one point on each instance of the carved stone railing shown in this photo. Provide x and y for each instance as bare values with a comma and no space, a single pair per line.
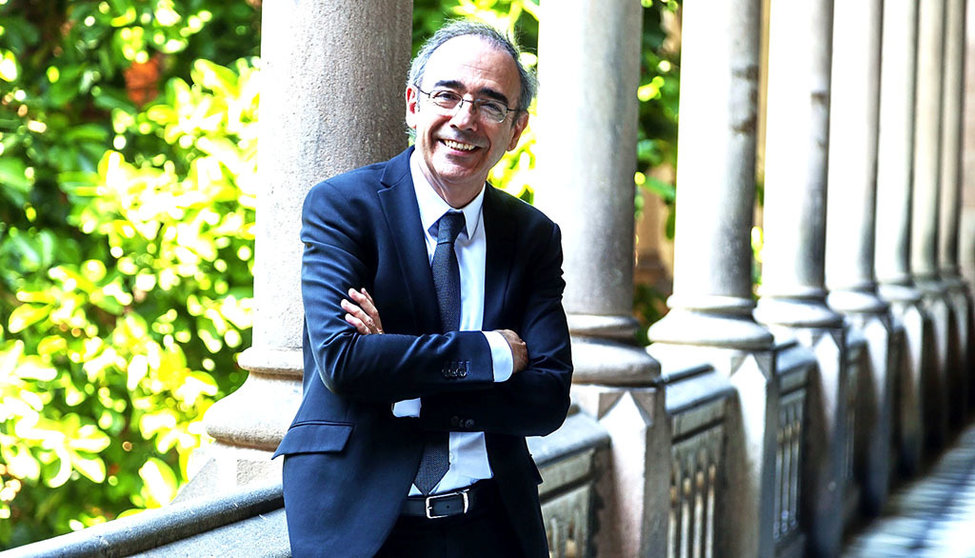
856,354
568,461
697,405
697,458
794,364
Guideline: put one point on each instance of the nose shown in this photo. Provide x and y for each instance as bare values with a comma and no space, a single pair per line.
464,115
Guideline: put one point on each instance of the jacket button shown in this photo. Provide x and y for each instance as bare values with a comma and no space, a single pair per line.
469,423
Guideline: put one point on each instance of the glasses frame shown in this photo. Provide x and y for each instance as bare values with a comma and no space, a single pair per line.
475,103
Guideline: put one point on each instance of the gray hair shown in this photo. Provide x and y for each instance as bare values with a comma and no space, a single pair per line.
497,39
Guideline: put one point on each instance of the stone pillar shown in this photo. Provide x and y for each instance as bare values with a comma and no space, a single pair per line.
850,237
589,68
895,164
314,69
710,317
967,240
957,294
793,295
926,216
967,227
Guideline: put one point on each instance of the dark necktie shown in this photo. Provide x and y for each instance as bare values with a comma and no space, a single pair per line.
446,279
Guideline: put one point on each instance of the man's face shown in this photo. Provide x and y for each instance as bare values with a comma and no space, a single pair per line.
458,151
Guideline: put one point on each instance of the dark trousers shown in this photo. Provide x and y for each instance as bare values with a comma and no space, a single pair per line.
485,532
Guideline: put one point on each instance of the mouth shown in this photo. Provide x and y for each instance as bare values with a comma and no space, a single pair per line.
459,145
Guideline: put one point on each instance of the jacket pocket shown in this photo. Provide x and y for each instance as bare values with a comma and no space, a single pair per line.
315,437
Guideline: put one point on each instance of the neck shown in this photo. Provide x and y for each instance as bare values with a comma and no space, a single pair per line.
456,199
456,195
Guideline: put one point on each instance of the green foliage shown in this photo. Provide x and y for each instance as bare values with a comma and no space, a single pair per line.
126,248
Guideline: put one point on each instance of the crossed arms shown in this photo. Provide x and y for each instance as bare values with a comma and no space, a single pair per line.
342,232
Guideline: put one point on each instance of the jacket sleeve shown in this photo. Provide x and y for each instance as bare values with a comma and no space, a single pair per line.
340,252
534,402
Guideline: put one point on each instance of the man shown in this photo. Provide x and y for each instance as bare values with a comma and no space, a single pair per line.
435,338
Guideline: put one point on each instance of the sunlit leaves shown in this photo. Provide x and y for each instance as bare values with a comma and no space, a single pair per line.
9,69
160,482
113,213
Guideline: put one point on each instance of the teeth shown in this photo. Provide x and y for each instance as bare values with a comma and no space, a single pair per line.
457,145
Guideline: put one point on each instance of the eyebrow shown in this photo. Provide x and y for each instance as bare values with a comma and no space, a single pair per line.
485,91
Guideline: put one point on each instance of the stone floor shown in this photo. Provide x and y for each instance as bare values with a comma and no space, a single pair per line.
932,517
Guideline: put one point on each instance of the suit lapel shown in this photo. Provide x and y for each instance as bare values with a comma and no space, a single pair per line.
398,202
499,231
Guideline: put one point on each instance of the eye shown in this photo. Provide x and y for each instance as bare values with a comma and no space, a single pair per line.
492,109
445,98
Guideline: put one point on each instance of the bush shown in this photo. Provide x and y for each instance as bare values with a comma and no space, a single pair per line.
126,248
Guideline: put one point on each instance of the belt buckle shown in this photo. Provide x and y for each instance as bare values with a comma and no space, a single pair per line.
428,503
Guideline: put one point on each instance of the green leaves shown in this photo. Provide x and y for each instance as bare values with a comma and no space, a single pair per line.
127,161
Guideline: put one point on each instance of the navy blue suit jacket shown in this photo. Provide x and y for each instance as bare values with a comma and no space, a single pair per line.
349,463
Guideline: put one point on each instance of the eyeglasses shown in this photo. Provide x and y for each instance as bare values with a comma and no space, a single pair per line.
450,101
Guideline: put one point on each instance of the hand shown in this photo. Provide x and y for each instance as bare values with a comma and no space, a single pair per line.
362,313
519,350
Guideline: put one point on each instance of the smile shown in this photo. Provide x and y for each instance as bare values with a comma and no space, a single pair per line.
459,146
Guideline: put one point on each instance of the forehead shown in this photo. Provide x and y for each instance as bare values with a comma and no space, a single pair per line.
475,63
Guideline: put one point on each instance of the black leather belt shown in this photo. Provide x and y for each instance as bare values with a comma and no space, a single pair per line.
448,504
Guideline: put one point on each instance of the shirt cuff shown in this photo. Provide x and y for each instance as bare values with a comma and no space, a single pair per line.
407,408
500,355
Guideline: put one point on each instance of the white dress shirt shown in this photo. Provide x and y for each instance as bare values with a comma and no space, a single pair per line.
468,454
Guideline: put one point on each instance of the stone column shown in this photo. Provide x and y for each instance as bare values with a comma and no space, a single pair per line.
895,164
314,69
793,295
967,240
710,317
589,68
967,228
850,237
926,216
957,294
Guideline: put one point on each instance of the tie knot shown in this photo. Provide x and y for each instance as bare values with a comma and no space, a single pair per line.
449,226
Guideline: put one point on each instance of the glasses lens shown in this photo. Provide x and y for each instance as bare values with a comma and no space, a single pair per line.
492,110
445,99
450,101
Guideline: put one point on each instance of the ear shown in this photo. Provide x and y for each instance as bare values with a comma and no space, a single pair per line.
521,122
412,106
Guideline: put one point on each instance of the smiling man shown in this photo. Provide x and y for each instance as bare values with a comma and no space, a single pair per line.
435,340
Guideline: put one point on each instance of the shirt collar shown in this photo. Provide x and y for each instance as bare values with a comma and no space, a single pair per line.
433,207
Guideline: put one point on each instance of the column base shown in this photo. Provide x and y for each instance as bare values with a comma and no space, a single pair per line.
248,425
728,331
796,313
601,361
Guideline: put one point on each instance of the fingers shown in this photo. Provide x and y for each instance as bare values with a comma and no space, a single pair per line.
362,313
364,300
356,323
519,350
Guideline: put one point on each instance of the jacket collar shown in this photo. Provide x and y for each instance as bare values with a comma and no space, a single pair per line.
398,202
